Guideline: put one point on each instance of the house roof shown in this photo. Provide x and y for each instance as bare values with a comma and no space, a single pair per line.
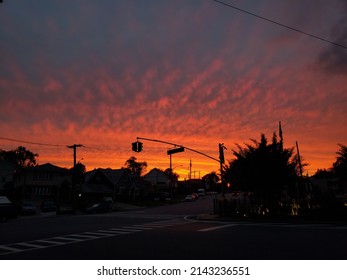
155,172
48,167
113,175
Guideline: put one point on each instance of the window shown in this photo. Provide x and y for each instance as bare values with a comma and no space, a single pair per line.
42,175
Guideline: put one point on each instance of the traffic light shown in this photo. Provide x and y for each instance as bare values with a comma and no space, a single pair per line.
137,146
134,146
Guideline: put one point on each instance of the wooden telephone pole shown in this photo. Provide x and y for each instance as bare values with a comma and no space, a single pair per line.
74,147
73,190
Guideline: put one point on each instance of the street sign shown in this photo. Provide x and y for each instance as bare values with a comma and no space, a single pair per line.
176,150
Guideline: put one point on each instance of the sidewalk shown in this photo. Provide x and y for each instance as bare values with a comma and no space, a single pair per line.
260,220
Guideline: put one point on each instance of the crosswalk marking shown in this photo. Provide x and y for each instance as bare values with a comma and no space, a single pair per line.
139,227
67,238
131,229
11,249
118,231
82,236
96,234
31,245
218,227
109,231
49,242
85,236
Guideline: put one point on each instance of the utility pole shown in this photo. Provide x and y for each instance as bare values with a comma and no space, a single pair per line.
299,158
221,161
73,195
300,169
190,169
74,147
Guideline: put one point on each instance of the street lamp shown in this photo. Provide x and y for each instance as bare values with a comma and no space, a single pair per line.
177,166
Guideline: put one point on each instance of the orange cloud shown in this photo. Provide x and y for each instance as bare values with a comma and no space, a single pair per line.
189,73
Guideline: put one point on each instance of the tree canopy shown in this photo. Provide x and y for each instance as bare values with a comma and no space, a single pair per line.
171,174
340,165
211,179
20,157
263,168
135,167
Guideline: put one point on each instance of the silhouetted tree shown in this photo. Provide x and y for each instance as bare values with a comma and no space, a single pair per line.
80,168
137,168
340,165
323,173
211,179
171,174
20,157
78,172
266,170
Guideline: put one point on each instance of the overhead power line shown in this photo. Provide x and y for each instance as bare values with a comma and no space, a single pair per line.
30,142
281,24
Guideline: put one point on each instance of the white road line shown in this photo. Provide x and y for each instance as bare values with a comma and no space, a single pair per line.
96,234
112,232
216,228
84,236
51,242
131,229
120,231
141,227
170,223
31,245
11,248
339,227
67,239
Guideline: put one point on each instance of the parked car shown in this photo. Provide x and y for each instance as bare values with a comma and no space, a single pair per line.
189,197
28,208
201,192
102,207
195,195
165,196
7,209
48,206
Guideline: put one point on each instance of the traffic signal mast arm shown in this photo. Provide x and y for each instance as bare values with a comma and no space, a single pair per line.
177,145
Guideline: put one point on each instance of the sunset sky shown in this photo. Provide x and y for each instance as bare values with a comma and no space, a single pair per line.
192,72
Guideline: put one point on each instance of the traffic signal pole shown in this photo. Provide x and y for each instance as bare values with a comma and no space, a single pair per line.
178,146
221,161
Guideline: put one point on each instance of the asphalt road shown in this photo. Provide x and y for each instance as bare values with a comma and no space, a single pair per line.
167,232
